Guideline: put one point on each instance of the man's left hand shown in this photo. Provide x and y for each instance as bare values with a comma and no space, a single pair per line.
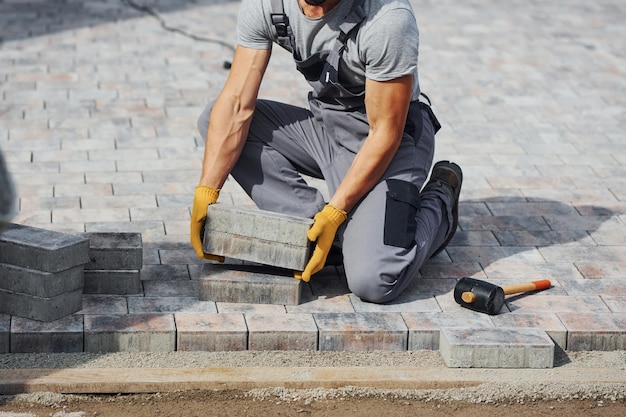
323,231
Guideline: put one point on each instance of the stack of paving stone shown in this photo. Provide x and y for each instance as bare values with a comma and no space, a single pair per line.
41,272
115,262
275,244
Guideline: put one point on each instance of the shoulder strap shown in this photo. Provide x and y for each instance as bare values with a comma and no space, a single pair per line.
284,34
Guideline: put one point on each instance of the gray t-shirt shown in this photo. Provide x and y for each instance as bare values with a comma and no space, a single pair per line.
385,48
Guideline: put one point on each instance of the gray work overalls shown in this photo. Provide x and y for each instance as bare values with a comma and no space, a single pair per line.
393,230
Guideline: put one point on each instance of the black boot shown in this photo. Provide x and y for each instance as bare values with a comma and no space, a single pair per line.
447,177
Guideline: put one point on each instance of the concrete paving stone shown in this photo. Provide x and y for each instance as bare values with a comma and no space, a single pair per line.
439,270
583,254
406,302
42,249
268,309
474,238
164,272
176,227
114,251
146,213
496,348
149,230
549,322
323,304
522,254
617,304
249,284
614,236
503,223
604,270
61,336
113,178
544,238
605,209
59,156
180,256
330,281
594,287
155,188
257,236
590,223
594,331
281,332
178,288
109,202
103,305
426,287
114,282
86,166
424,326
534,302
31,218
530,272
30,203
361,331
130,333
150,256
148,305
211,332
90,215
5,330
79,190
38,283
518,208
39,308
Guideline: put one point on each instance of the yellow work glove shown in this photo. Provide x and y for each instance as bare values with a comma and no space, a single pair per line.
323,231
203,197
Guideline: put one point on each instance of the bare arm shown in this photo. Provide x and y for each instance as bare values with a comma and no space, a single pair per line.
387,105
231,115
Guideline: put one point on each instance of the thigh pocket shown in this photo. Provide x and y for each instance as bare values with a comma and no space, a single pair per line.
403,202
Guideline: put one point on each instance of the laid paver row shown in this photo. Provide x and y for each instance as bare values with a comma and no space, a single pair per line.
206,331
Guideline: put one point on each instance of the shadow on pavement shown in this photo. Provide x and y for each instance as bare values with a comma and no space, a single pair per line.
28,19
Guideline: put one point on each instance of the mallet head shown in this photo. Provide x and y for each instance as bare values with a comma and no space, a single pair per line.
479,295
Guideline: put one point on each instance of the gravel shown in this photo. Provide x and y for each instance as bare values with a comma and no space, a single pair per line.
486,393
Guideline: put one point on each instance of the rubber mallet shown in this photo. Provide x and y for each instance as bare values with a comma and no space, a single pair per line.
488,298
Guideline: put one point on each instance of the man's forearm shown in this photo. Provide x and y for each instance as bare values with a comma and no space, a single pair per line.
368,167
224,142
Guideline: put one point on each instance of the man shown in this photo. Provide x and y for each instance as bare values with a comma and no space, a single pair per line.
366,133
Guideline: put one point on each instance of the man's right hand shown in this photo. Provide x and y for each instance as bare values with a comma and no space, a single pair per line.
203,197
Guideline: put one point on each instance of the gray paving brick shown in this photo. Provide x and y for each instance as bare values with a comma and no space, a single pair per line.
116,282
281,332
424,328
257,236
115,251
41,249
38,283
103,305
147,305
5,329
130,333
211,332
549,322
361,332
594,331
61,336
496,348
40,308
249,284
178,288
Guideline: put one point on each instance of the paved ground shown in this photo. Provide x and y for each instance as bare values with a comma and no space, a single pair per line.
98,103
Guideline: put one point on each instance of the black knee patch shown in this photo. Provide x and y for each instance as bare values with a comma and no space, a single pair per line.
403,203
